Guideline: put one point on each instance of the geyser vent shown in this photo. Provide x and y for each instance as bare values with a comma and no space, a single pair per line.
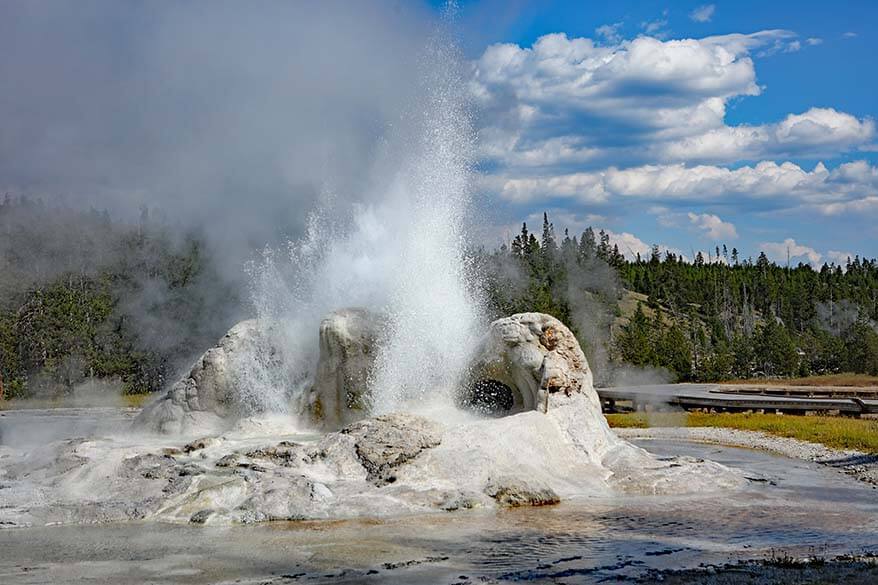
489,397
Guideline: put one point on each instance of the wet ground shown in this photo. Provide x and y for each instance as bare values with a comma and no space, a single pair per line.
37,426
791,508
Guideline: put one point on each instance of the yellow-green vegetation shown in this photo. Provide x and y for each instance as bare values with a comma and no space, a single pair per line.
845,379
124,400
22,403
832,431
136,400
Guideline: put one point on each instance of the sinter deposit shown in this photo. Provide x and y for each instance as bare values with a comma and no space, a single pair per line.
526,430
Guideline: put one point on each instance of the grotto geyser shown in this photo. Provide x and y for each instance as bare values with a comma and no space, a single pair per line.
203,455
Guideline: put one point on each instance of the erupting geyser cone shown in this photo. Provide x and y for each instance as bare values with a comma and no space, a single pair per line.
400,256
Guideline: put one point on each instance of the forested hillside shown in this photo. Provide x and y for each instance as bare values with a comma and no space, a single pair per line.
710,319
84,297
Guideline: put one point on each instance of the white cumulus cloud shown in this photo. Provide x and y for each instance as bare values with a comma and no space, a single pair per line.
712,226
790,250
838,257
613,124
787,184
822,131
569,102
631,246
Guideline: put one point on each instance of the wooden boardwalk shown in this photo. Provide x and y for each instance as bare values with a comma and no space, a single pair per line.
744,397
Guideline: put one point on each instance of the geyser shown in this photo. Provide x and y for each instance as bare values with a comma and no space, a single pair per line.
399,259
555,447
399,255
365,328
519,361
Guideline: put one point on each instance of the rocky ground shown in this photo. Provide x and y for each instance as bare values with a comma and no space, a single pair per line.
862,466
384,466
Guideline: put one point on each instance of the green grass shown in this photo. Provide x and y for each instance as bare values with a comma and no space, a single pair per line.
832,431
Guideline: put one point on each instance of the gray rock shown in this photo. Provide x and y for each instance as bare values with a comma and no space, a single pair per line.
289,499
230,460
453,501
148,466
513,492
199,444
384,443
284,453
208,387
191,469
522,360
201,516
347,354
212,390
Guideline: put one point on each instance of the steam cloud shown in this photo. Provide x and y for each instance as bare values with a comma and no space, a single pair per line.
236,121
227,116
400,255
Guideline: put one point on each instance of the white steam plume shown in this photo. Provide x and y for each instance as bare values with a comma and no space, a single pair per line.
401,255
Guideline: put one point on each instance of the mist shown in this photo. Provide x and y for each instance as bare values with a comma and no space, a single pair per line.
399,252
225,117
242,127
837,317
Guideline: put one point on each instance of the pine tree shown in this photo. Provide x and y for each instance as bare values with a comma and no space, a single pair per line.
604,246
655,255
587,245
634,341
519,242
548,243
548,247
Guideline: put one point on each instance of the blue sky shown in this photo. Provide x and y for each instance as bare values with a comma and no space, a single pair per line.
687,124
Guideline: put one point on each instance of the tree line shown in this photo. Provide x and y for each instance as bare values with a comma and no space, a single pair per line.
710,319
83,297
